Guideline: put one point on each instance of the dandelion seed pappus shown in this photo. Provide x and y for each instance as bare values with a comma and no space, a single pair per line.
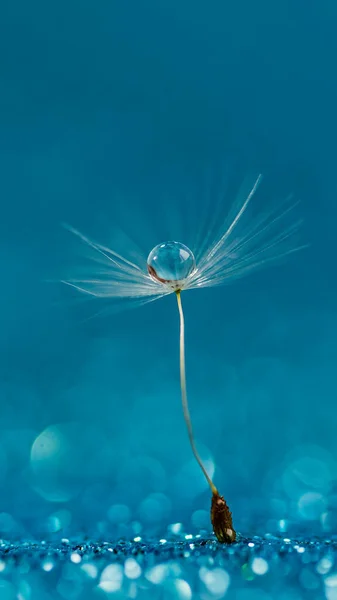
224,248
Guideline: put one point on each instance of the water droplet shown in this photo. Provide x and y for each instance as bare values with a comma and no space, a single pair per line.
171,263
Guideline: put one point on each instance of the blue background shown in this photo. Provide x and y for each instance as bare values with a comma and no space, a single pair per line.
109,111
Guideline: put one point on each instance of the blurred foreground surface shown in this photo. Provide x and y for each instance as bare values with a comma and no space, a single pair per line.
181,566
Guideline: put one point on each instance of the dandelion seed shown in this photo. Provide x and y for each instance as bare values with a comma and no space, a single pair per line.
240,247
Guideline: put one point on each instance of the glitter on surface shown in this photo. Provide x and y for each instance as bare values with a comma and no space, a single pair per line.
260,567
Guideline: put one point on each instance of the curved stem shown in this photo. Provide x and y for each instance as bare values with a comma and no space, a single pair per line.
186,411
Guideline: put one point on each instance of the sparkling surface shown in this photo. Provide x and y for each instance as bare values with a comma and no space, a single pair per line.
264,567
171,262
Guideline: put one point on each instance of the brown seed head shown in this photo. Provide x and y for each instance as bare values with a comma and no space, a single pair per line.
221,518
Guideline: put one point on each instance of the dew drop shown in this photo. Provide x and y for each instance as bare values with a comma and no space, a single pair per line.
171,263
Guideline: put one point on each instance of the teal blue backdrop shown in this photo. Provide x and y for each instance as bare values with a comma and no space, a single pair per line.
109,112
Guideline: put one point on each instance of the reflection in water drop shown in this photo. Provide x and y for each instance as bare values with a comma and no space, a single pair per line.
171,263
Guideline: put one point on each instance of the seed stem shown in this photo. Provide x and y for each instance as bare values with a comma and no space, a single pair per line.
186,411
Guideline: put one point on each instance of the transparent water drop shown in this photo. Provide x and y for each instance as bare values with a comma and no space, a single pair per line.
171,263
